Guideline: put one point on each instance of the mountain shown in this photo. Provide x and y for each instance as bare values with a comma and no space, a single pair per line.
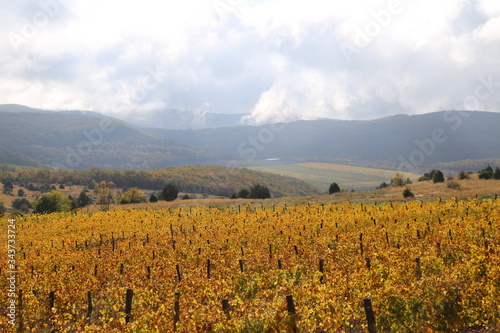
411,142
81,140
177,119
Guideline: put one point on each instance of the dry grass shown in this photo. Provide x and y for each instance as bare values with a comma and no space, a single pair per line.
427,190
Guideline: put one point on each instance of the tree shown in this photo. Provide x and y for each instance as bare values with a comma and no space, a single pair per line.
486,173
398,180
496,173
8,187
243,193
170,192
83,200
21,193
407,193
153,198
334,188
438,177
51,202
105,194
22,205
429,175
132,195
462,175
259,192
383,185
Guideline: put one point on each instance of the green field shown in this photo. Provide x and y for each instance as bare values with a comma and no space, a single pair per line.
322,175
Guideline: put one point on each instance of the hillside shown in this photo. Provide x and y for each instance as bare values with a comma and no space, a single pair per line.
80,140
381,143
203,179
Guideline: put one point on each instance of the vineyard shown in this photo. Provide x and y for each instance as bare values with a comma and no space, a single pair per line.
427,267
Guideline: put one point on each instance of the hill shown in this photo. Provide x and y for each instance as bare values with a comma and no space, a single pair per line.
80,140
204,179
411,142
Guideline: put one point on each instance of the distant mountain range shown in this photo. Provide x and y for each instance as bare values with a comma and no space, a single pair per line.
80,140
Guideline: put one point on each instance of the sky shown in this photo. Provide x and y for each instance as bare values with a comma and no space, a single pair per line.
277,60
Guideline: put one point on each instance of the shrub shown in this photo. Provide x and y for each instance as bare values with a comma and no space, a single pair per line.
243,193
438,177
398,180
153,198
334,188
22,205
496,174
463,175
407,193
453,184
170,192
52,202
259,192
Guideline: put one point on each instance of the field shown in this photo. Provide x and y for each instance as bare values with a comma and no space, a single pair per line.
427,267
322,175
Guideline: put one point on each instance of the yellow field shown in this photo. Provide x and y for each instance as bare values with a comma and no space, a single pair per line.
427,267
322,175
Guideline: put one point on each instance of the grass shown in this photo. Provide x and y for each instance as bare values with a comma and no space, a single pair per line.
322,175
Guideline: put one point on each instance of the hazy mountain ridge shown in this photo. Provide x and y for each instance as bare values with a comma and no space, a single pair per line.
52,138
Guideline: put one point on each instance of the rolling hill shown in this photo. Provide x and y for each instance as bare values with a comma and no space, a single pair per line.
79,140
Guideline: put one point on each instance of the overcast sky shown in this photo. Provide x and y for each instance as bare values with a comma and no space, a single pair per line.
278,59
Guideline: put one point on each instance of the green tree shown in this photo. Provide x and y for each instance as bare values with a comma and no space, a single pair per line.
243,193
496,173
21,193
83,200
153,198
170,192
8,187
259,192
407,193
334,188
22,204
486,173
438,177
51,202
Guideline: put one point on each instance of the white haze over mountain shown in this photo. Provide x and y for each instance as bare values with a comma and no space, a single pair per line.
278,60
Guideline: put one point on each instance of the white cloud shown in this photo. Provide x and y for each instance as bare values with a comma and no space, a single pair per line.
278,59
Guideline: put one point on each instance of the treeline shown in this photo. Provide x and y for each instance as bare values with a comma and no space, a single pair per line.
204,179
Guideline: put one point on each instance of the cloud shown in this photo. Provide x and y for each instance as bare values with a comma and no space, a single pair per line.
279,60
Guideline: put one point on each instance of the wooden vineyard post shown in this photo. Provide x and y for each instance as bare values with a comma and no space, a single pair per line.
177,310
368,263
52,298
89,305
418,268
280,266
178,270
242,265
322,270
290,307
209,267
128,305
225,306
370,316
